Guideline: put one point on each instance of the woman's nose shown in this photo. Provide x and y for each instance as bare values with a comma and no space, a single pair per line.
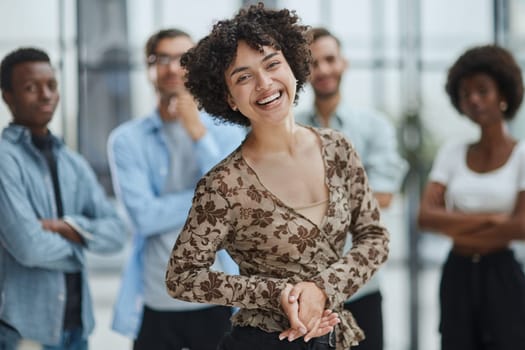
263,82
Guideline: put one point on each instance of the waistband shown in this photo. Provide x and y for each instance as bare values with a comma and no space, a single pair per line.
327,339
477,258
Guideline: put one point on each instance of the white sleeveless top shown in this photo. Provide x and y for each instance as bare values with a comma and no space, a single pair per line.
472,192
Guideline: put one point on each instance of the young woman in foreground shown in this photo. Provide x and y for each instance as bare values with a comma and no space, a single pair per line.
282,204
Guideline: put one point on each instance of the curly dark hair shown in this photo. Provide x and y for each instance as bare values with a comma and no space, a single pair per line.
497,63
21,55
207,62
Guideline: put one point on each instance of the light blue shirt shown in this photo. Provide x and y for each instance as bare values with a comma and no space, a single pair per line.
32,260
140,159
374,139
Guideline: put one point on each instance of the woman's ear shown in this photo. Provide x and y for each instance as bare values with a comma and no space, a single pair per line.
232,104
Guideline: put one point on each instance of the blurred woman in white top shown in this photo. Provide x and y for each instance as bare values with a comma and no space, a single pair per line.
476,196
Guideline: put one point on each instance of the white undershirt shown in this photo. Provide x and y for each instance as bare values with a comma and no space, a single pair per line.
472,192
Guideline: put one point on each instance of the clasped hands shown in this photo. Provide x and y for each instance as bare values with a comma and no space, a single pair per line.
304,305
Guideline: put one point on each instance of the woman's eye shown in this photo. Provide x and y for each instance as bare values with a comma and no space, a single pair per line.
273,64
242,78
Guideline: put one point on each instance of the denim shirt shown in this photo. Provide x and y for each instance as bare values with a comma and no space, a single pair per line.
375,141
32,260
139,160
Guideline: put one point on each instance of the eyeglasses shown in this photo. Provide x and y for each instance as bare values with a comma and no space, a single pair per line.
163,60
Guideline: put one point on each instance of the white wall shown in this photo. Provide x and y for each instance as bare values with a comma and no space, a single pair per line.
36,23
448,28
195,17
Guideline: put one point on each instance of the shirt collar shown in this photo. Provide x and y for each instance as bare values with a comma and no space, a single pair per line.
21,134
336,122
153,121
42,142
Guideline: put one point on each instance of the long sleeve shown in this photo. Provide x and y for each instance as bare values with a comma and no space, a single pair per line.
218,142
384,166
208,152
137,153
21,232
150,212
189,277
369,238
98,222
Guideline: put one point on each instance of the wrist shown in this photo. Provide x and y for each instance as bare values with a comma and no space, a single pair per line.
55,226
283,297
322,293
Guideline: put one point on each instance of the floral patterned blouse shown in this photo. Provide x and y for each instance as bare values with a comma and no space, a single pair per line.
274,245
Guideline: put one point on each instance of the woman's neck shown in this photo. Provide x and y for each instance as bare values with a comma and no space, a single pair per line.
495,136
271,139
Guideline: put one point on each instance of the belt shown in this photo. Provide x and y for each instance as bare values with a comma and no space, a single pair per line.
476,258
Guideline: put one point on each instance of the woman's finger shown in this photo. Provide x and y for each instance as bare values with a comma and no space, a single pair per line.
313,331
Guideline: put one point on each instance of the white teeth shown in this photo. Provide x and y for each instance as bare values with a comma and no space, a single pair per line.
269,98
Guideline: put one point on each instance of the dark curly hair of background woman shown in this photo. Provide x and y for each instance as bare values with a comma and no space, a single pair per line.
258,27
498,64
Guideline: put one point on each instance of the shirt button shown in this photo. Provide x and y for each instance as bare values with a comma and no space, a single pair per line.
61,297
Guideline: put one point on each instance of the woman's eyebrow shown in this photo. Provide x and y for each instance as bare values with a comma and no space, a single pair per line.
265,58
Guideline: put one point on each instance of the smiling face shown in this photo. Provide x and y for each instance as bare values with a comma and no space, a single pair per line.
34,95
261,85
479,99
327,67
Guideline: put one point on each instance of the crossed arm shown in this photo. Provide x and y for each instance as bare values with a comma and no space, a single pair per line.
62,228
483,231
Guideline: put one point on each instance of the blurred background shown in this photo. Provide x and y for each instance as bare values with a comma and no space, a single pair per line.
399,53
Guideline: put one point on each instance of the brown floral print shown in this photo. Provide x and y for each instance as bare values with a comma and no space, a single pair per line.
275,245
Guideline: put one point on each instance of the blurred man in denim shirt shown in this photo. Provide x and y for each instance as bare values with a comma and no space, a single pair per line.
156,162
51,210
374,139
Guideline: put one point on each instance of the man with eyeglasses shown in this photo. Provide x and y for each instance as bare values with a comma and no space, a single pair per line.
156,162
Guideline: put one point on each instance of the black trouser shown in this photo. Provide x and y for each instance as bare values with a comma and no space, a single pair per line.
196,330
482,303
251,338
369,316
